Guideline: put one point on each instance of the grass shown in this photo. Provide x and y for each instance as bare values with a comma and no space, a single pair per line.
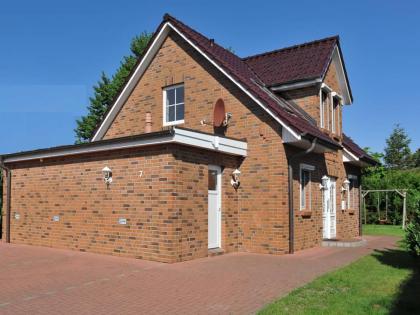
374,229
385,282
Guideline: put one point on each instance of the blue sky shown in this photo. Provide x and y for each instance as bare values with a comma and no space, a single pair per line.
52,53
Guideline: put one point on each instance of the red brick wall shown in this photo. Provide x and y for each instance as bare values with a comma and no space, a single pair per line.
263,219
89,211
169,203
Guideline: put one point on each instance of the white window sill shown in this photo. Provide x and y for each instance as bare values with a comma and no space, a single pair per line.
173,123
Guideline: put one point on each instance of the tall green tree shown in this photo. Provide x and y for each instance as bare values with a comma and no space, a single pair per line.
107,88
416,158
397,150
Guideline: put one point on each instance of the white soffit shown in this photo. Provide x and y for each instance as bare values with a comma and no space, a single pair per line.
344,85
350,158
179,136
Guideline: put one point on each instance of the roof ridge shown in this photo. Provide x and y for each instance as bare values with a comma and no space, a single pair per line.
335,37
167,17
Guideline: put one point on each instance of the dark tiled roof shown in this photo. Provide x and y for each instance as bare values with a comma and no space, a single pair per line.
301,62
350,145
242,73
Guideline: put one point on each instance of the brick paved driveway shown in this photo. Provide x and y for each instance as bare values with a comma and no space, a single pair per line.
36,280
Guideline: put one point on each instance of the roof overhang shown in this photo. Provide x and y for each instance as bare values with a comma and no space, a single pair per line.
336,58
306,142
172,136
350,158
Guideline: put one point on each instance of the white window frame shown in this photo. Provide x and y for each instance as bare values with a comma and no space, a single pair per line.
332,114
335,112
350,193
321,109
309,169
324,88
176,122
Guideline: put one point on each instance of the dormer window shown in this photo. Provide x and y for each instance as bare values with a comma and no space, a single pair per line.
335,117
324,106
173,105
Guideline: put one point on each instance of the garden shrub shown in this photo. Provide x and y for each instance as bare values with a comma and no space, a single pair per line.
412,234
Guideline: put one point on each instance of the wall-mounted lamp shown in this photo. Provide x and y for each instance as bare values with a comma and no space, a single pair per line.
235,179
228,117
346,185
324,182
107,174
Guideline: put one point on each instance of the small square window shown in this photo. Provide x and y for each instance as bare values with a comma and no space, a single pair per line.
173,108
212,180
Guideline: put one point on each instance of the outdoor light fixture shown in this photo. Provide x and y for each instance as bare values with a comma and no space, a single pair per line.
228,117
107,174
235,179
346,185
324,181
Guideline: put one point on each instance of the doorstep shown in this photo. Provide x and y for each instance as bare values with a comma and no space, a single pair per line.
215,252
356,242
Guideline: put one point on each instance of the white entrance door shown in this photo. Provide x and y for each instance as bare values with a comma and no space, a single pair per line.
329,213
215,204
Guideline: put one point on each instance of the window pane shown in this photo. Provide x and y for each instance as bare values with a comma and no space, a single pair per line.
170,96
180,95
212,180
304,188
170,114
180,112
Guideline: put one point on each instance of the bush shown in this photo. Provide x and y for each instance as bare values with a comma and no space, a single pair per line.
412,234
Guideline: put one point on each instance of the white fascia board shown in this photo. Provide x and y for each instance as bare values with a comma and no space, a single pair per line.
344,85
180,136
141,68
349,157
132,143
210,142
297,85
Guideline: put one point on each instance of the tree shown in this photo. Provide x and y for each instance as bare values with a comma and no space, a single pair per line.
106,90
397,151
416,158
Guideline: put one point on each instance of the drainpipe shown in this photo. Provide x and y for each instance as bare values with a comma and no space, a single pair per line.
8,197
291,208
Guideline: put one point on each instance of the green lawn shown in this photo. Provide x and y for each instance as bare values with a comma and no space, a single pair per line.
374,229
386,282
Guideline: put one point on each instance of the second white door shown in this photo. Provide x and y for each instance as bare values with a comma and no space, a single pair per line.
329,213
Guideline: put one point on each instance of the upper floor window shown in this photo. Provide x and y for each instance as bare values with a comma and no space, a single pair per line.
305,187
173,107
335,117
323,106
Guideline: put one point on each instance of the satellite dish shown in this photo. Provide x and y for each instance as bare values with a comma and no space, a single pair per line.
219,113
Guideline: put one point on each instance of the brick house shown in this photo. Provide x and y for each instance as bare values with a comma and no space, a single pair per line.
201,152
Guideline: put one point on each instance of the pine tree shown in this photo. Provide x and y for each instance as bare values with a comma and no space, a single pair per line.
106,90
397,151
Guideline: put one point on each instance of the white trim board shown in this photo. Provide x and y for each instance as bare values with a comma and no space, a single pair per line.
349,157
178,136
141,68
